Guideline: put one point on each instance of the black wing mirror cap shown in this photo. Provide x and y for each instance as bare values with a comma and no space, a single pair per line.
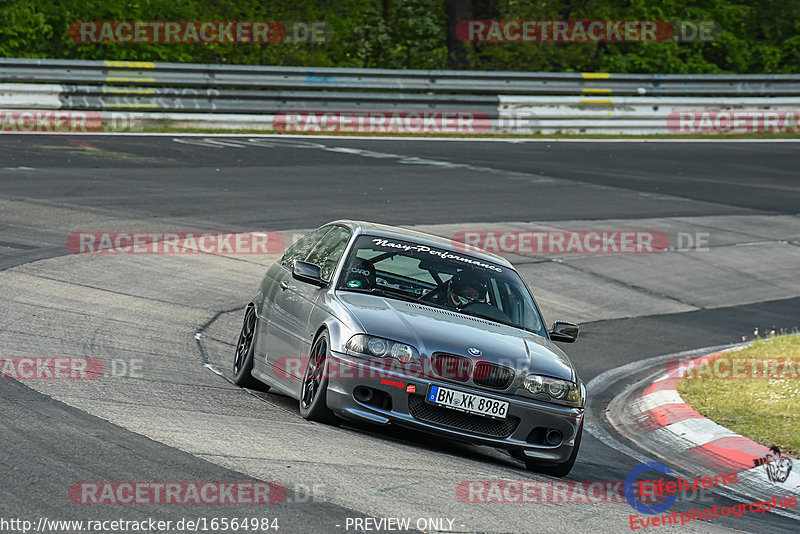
308,273
564,332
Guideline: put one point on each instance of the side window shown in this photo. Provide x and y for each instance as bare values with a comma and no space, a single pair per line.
329,250
300,250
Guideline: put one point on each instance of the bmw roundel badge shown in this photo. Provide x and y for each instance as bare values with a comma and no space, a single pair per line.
474,351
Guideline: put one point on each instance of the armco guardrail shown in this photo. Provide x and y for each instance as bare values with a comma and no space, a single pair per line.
491,82
183,95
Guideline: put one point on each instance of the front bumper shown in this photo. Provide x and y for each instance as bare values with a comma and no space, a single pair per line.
523,430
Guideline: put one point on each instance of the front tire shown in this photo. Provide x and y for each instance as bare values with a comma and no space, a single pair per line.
243,359
313,404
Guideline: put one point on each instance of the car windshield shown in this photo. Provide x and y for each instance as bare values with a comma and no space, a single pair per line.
440,278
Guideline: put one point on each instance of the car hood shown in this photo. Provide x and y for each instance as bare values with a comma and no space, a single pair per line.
432,330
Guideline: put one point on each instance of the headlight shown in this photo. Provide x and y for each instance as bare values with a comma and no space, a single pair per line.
402,353
378,347
553,389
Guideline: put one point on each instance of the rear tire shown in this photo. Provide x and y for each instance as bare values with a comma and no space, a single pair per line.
243,359
313,404
557,470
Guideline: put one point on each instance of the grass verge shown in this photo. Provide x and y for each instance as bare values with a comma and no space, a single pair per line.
766,410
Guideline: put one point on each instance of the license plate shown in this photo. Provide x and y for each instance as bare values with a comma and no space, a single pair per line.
467,402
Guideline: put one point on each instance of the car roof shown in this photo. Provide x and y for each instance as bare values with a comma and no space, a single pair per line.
384,230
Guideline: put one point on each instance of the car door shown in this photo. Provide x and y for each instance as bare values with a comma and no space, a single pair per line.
268,344
289,334
327,255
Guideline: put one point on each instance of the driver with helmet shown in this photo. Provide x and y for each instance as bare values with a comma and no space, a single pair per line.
465,288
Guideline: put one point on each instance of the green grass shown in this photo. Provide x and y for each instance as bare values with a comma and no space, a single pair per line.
764,410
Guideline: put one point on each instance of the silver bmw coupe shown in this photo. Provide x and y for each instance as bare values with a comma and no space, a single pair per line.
378,324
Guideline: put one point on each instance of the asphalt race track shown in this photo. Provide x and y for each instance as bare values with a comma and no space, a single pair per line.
164,326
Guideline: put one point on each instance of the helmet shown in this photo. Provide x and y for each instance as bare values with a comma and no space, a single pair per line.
466,288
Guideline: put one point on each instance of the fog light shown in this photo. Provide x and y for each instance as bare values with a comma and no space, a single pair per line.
363,394
554,437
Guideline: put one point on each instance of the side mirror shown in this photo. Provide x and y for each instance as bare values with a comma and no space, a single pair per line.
308,273
564,332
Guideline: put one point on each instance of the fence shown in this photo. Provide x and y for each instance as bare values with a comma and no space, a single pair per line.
260,98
